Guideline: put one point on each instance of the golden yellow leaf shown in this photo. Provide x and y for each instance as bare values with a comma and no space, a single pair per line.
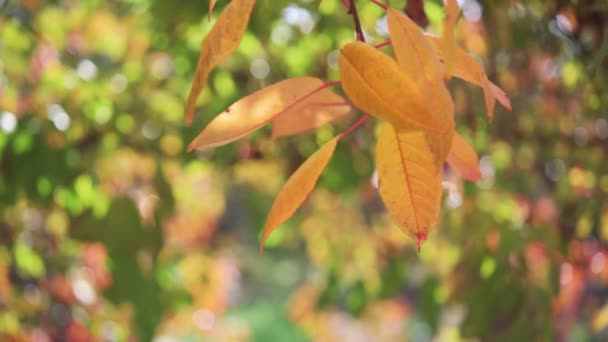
211,6
448,40
297,188
468,69
409,180
443,106
374,83
415,54
223,39
317,110
463,159
253,111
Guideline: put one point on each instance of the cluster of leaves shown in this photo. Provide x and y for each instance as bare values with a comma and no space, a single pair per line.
409,94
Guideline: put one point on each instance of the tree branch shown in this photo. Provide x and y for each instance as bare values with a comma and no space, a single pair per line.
353,11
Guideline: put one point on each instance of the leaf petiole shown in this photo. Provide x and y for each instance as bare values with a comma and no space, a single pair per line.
353,127
381,5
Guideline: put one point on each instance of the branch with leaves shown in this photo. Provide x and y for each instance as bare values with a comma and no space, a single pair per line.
417,135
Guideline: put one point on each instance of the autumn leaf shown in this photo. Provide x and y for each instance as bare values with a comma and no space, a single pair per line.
415,54
417,57
463,159
448,41
409,180
297,188
211,7
468,69
315,111
223,39
442,106
255,110
501,96
374,83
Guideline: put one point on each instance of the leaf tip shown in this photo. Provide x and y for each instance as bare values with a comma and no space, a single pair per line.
421,237
475,176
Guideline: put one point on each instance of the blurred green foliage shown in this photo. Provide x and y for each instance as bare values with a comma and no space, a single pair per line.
110,231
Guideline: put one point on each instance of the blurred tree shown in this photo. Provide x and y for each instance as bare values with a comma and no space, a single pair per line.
109,230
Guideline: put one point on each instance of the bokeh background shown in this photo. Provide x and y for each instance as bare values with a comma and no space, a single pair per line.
110,231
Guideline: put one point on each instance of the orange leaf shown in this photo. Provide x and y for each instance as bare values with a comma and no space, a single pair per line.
253,111
409,180
440,143
223,39
467,68
463,159
448,41
501,96
211,6
415,54
375,84
297,188
317,110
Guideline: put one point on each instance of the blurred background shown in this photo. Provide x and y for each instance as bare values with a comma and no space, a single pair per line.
110,231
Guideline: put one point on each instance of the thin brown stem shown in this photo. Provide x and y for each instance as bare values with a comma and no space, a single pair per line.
353,11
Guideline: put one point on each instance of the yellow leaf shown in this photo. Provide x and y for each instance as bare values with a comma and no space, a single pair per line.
463,159
468,69
374,83
317,110
448,40
211,6
223,39
443,106
253,111
415,54
297,188
409,180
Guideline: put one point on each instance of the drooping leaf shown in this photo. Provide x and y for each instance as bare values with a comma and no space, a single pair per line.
211,7
409,180
463,159
468,69
223,39
443,106
315,111
415,54
253,111
448,40
297,188
501,96
374,83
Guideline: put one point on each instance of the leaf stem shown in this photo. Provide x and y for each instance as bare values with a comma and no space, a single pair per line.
383,6
353,127
383,44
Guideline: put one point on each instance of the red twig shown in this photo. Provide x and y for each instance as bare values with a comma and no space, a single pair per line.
381,5
353,127
383,44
